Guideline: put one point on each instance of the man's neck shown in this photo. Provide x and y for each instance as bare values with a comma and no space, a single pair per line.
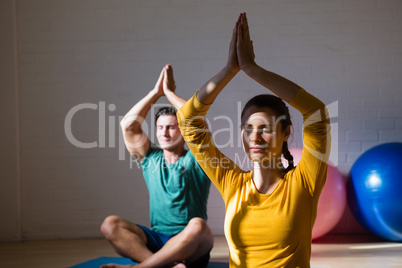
173,156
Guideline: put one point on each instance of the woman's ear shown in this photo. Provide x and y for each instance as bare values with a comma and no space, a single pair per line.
286,133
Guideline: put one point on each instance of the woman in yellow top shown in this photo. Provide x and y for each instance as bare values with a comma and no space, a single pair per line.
270,210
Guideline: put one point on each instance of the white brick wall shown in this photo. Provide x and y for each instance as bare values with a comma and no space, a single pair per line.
92,51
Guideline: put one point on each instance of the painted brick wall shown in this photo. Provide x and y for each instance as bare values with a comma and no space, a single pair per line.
9,171
108,54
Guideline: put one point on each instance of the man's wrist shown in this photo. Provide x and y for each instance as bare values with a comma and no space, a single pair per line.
154,94
169,92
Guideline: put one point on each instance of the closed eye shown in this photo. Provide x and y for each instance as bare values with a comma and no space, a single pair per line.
267,129
261,129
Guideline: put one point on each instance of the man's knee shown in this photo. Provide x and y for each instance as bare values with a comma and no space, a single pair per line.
198,227
110,226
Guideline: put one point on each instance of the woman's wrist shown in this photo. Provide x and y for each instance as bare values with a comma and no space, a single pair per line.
230,70
250,69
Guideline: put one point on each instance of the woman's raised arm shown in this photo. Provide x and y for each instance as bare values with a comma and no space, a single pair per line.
282,87
211,89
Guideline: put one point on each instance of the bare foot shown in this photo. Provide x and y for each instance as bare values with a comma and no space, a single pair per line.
179,265
113,265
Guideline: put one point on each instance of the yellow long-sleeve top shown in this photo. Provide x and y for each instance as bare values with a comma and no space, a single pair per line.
266,230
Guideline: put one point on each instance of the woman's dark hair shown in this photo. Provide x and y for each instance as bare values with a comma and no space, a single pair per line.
281,110
165,111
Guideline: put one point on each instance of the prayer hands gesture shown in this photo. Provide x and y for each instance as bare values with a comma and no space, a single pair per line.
241,51
165,83
169,85
158,89
244,45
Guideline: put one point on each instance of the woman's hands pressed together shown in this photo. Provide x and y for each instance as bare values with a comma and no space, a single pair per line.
233,64
244,45
241,51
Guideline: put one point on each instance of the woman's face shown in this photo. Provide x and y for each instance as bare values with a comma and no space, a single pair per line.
262,134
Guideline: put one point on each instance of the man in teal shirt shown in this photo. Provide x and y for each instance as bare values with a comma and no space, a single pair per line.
178,190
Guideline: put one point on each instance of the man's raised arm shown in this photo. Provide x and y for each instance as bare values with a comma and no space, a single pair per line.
136,141
169,88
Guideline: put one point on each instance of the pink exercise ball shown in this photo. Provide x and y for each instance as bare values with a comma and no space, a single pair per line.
332,202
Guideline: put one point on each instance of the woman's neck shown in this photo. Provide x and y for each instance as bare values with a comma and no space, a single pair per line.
266,177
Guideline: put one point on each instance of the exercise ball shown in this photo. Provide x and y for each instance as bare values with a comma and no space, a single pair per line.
375,190
332,202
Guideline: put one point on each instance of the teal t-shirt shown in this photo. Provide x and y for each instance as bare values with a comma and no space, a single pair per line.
178,192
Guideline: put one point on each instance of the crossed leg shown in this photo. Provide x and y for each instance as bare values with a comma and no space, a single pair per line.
129,241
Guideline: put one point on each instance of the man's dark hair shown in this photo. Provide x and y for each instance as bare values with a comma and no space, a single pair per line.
168,110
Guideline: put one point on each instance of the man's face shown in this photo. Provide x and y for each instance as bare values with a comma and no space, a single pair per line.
168,133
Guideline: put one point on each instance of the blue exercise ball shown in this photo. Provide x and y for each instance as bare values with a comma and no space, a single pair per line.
375,190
